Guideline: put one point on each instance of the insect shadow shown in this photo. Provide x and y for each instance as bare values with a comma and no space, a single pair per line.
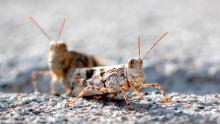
121,103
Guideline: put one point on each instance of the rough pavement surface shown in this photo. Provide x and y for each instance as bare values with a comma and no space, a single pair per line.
188,108
185,59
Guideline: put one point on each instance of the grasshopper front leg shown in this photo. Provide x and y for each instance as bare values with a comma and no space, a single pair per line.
124,95
68,88
53,86
166,99
35,76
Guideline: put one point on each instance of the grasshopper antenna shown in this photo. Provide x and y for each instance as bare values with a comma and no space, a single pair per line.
155,44
38,26
61,29
139,49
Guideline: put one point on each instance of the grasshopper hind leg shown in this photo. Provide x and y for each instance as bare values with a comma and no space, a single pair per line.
84,92
73,101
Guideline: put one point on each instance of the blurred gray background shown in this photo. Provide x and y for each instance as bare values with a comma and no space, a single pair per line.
187,60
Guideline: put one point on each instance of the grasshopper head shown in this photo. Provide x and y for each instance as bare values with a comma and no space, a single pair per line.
135,72
58,58
135,69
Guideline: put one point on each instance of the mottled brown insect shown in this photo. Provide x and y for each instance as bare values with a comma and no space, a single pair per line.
61,60
114,79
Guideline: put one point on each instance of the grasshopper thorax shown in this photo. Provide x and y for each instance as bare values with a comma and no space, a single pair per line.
58,58
135,72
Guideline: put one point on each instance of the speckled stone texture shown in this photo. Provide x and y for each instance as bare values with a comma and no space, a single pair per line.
187,108
185,59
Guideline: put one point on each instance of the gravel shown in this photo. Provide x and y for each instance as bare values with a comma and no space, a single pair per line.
187,108
185,59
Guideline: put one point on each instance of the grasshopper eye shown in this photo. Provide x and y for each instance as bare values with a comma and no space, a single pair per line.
131,63
63,45
141,61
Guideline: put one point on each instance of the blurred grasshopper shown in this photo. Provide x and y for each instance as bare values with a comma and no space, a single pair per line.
114,79
60,61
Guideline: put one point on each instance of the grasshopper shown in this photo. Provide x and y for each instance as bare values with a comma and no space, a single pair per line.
114,79
61,60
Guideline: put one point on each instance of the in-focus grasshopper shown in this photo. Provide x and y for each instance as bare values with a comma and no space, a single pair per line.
114,79
61,60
